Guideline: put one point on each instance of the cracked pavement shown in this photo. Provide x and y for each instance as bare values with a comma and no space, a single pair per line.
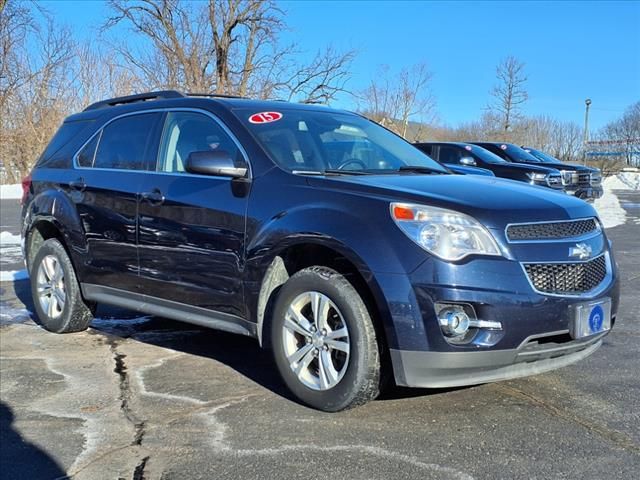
148,398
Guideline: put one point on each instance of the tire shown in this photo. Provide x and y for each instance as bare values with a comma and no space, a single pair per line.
349,376
59,305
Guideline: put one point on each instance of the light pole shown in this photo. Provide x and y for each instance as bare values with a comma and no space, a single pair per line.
585,140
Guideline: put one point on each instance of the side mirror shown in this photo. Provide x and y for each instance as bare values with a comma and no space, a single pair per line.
214,162
468,161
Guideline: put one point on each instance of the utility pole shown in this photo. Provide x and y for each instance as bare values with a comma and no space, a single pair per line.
585,140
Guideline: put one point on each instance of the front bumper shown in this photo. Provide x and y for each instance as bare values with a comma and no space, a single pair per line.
535,326
586,192
454,369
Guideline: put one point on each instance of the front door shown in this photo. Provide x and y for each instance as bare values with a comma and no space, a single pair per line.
192,227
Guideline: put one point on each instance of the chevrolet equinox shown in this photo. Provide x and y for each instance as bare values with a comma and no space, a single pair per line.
331,240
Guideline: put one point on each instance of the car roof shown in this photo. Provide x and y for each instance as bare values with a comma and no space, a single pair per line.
169,99
460,144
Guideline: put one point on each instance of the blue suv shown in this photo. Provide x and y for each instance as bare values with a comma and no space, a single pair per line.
349,253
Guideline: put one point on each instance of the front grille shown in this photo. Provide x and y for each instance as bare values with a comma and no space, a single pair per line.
567,278
551,230
584,178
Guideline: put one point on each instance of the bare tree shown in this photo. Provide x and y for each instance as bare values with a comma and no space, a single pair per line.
225,46
395,100
624,135
509,93
16,23
35,88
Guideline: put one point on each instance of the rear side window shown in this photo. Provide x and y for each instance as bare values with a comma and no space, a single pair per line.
127,143
449,154
426,148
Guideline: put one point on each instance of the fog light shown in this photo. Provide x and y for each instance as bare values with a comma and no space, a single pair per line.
461,326
453,321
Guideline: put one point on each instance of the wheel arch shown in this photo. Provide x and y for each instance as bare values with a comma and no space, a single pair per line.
296,256
52,214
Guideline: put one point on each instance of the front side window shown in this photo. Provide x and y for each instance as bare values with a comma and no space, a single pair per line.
187,132
314,140
127,143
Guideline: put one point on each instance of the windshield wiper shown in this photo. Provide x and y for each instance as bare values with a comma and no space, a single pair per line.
421,169
336,171
329,172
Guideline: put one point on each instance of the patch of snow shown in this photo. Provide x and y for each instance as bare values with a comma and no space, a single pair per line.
10,253
608,207
13,275
11,192
7,238
630,179
9,314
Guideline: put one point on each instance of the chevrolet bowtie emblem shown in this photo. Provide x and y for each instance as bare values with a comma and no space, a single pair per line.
581,251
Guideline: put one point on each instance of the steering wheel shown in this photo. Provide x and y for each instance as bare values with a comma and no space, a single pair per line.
355,161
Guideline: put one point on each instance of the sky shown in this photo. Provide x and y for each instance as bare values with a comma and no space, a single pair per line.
572,50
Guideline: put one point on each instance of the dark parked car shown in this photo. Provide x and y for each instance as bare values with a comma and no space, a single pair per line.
238,215
453,154
570,182
580,180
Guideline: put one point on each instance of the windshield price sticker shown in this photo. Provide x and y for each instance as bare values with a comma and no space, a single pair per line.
265,117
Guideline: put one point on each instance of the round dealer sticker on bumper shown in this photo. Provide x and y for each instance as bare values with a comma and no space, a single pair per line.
265,117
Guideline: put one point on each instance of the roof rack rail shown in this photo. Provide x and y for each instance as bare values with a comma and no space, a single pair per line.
221,95
141,97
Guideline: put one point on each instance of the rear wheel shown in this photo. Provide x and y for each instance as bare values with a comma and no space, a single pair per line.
55,290
324,342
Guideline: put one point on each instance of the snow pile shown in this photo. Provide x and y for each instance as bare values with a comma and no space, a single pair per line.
11,192
610,212
630,180
608,206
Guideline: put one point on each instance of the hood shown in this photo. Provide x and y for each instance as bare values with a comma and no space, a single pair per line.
468,170
568,166
493,201
538,167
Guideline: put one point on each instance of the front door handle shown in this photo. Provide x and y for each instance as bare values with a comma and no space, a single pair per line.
154,197
78,184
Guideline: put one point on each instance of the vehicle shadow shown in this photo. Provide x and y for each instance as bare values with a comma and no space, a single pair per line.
243,354
22,459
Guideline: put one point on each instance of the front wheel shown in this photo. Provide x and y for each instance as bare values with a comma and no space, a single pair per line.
324,342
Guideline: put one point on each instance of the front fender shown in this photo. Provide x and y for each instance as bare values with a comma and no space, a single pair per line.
366,243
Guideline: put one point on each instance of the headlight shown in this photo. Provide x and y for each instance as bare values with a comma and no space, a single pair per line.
446,234
537,177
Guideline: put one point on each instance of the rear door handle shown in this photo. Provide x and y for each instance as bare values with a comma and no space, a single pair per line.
78,184
154,197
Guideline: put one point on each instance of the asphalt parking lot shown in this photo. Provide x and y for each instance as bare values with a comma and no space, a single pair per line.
148,398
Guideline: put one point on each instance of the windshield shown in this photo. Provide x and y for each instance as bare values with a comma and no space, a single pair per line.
484,155
518,154
315,141
543,157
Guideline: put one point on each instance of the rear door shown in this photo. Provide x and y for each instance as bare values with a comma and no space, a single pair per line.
109,172
192,227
